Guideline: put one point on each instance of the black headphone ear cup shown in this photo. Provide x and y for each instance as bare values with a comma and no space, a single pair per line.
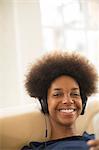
84,101
83,108
44,105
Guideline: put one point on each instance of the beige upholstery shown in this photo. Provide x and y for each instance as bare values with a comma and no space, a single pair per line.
20,125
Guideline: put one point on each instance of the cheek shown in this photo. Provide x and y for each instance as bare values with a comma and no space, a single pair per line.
51,105
79,104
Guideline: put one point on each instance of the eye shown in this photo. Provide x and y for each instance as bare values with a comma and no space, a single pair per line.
75,94
57,94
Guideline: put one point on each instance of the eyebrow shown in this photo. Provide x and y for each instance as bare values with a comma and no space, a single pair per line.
75,89
59,89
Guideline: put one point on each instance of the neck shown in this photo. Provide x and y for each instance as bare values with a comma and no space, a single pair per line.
59,131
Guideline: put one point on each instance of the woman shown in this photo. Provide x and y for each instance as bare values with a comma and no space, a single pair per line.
62,82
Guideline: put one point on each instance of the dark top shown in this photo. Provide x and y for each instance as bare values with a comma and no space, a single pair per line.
68,143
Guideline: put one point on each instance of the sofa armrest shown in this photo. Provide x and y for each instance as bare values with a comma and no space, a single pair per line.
20,125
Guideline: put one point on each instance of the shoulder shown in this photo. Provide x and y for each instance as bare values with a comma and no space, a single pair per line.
32,145
70,141
86,136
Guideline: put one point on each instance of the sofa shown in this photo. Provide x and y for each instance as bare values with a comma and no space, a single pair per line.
21,124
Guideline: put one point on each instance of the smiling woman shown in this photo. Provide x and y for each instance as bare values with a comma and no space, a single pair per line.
59,81
64,105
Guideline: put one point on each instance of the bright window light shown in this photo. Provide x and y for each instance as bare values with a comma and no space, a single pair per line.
72,25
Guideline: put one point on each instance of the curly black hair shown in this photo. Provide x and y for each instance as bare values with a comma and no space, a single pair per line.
55,64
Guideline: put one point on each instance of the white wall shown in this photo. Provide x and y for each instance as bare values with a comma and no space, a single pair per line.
20,43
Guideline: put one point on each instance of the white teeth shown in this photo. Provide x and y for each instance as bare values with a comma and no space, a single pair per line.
67,110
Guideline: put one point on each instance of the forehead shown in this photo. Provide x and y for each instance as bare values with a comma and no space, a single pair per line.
64,82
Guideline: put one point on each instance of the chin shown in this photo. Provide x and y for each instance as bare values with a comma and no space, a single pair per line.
67,123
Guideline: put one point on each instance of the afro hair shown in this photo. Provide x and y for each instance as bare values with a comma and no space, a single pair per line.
55,64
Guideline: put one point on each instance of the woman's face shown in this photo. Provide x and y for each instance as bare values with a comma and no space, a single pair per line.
64,101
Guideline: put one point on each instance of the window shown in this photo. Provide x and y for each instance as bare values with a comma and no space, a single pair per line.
72,25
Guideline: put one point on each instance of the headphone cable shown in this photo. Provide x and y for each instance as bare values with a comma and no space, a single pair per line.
46,131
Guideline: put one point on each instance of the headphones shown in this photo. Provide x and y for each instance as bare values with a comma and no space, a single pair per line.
44,104
44,108
84,101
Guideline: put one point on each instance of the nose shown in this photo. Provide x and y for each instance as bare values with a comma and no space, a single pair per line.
67,99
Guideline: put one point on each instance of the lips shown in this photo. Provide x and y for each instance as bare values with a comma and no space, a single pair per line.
67,110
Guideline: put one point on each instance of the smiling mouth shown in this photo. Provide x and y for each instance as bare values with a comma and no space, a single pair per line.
69,110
